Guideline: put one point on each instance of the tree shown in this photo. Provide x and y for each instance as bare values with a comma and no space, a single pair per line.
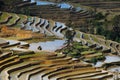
73,50
99,16
94,60
116,24
69,35
116,27
75,53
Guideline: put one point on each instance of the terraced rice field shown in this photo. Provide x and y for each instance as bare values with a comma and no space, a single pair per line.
51,67
21,59
46,67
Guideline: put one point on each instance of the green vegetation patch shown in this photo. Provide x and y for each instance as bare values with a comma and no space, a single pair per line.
22,18
94,38
94,55
86,36
4,16
13,19
78,34
87,52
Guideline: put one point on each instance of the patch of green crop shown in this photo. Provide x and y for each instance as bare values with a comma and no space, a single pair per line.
87,52
4,16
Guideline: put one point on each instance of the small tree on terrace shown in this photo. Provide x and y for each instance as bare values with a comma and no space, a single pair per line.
69,35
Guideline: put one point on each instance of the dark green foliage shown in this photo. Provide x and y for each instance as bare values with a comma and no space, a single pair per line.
100,30
75,53
26,11
116,24
69,35
100,22
73,50
115,33
99,16
100,57
94,60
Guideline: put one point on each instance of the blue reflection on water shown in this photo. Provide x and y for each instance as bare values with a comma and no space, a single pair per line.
64,5
78,9
44,3
61,5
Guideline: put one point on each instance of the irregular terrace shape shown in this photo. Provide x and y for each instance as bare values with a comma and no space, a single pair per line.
5,17
46,72
15,18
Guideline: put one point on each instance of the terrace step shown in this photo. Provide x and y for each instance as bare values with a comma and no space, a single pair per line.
59,75
85,75
6,60
13,21
26,3
58,28
44,24
109,44
34,72
5,17
38,26
41,24
26,76
97,77
51,25
3,42
16,74
14,62
29,22
57,57
46,74
114,46
47,32
8,70
36,22
5,55
22,21
10,45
